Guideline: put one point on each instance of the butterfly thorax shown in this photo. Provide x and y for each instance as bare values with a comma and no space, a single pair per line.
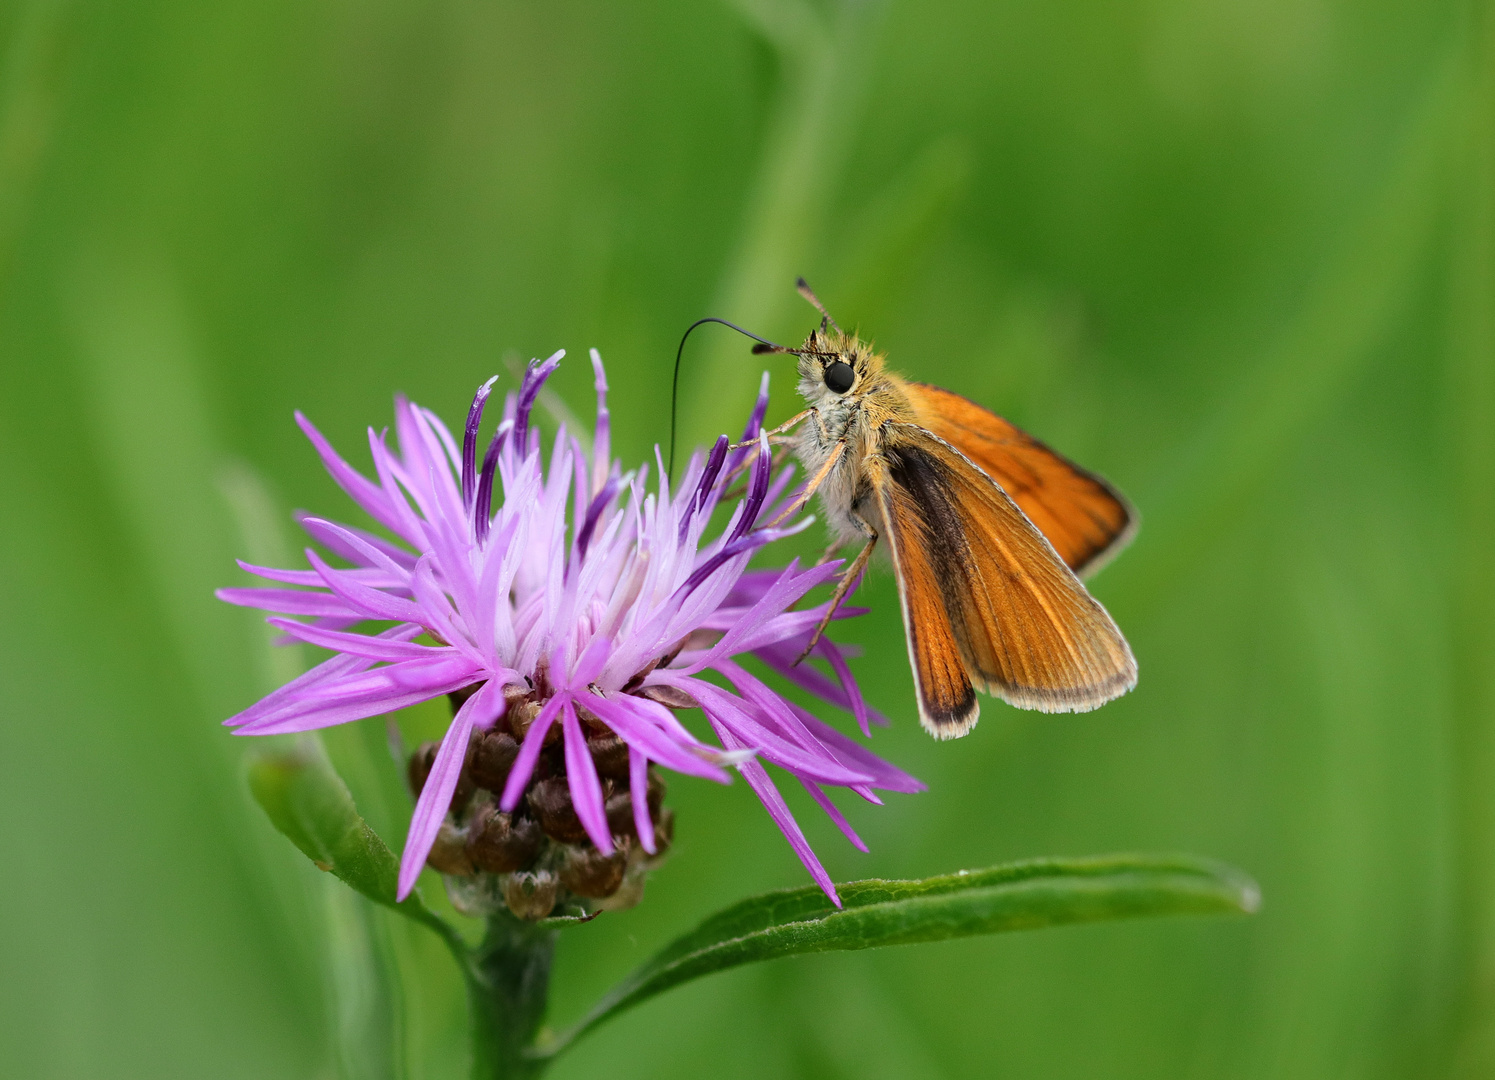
853,418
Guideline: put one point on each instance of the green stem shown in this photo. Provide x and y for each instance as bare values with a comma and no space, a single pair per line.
508,984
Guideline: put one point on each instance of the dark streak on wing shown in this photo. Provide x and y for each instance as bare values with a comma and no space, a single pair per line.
947,699
945,545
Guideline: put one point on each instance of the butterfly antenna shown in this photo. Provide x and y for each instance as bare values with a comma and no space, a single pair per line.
809,294
763,346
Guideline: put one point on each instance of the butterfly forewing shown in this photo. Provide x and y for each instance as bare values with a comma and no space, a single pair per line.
987,600
1085,519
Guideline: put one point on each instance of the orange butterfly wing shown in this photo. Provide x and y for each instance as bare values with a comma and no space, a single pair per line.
987,602
1085,518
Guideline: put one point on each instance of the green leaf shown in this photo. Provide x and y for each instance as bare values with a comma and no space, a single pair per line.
1017,896
310,804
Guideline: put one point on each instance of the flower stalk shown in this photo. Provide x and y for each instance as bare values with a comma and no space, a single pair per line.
508,986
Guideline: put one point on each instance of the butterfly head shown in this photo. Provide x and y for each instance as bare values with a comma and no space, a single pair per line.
833,365
835,368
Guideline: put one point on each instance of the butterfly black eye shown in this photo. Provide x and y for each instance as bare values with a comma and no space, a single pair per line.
839,376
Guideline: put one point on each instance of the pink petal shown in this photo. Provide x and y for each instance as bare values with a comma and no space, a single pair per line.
436,796
601,437
524,764
362,490
325,716
638,788
885,776
790,586
366,645
288,601
586,789
407,525
827,648
780,657
359,680
433,602
335,545
781,711
371,602
591,662
451,546
335,537
622,714
374,578
306,684
726,711
773,802
818,794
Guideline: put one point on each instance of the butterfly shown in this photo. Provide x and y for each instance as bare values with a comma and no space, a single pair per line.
989,532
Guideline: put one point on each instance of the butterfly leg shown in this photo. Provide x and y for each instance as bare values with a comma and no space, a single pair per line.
811,486
844,586
829,553
785,426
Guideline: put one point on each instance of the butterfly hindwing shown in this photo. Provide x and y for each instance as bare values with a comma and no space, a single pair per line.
988,603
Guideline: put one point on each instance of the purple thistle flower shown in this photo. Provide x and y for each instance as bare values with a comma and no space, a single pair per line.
583,606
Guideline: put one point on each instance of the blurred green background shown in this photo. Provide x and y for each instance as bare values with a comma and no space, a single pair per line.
1235,255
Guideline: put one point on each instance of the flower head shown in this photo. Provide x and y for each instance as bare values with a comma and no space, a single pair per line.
572,609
